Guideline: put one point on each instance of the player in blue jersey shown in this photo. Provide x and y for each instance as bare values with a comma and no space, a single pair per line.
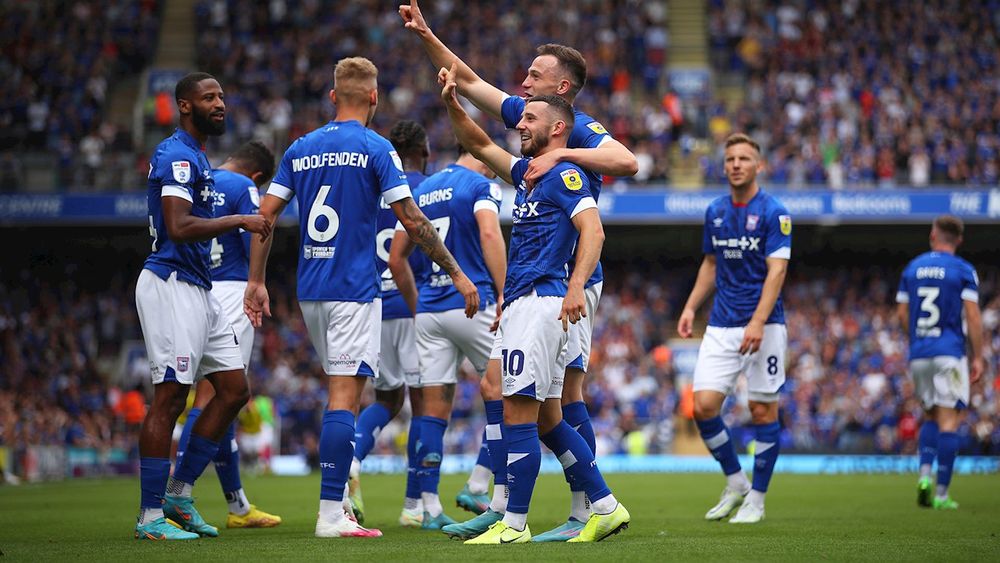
551,217
186,332
747,244
464,205
399,365
339,172
562,71
934,290
236,183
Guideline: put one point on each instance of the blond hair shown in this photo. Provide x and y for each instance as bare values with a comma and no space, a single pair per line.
741,138
354,78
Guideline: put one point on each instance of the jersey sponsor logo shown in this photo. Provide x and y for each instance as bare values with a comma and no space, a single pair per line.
597,128
752,222
495,192
396,160
254,195
311,252
571,178
206,193
525,210
785,221
343,361
182,171
183,363
733,248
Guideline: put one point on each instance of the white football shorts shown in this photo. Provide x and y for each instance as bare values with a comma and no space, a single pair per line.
230,296
581,333
531,347
720,362
346,334
445,338
399,362
941,381
186,332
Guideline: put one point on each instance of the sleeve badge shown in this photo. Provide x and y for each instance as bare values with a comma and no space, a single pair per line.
597,128
785,222
182,171
571,178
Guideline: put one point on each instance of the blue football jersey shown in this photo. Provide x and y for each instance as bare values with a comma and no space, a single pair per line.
934,285
339,172
587,133
543,237
393,304
179,168
450,199
742,237
235,194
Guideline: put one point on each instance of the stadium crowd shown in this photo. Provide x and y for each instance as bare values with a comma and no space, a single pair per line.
66,380
863,93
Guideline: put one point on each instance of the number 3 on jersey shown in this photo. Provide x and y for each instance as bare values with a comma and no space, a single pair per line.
321,209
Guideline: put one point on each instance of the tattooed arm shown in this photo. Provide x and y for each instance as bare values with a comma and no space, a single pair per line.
423,233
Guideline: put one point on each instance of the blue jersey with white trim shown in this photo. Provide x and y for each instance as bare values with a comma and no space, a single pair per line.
450,199
543,237
742,237
393,304
179,168
934,285
235,194
339,172
587,133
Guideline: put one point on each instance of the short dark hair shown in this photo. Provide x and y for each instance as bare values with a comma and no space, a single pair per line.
741,138
951,227
409,138
186,86
256,156
571,61
563,109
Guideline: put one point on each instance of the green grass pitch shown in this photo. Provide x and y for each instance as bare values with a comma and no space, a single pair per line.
835,518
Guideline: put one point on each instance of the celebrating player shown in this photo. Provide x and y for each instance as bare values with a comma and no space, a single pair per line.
747,244
934,290
561,71
339,172
464,205
557,214
399,363
186,331
236,185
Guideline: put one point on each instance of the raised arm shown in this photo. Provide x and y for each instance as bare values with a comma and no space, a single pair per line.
482,94
256,303
588,254
704,285
183,227
399,265
470,135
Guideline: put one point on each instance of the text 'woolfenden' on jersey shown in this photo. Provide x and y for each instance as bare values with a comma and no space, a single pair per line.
339,172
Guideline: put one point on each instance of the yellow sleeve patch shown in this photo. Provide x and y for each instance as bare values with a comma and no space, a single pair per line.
785,222
597,128
572,179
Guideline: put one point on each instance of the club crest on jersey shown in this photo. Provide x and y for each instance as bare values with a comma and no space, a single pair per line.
183,363
752,222
571,178
182,171
597,128
785,221
396,160
717,222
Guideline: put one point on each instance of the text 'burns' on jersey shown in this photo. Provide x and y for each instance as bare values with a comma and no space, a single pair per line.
179,168
450,199
235,194
393,304
587,133
742,238
339,172
543,237
934,285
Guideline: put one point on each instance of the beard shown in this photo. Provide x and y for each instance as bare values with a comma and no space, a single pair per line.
203,122
536,143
